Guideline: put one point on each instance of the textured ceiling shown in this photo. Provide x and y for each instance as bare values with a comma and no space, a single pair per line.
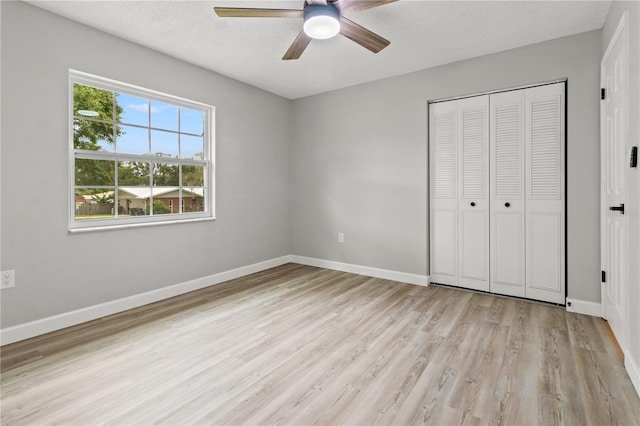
423,34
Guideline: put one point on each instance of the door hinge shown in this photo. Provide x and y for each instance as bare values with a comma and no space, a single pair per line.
604,277
603,93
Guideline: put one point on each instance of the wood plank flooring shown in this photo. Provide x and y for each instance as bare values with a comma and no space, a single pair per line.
299,345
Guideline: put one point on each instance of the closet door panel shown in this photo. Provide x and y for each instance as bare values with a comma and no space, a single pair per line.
545,187
544,244
473,203
444,248
507,223
474,254
507,254
443,164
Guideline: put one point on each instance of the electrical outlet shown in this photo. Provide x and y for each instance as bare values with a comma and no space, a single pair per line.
340,237
8,278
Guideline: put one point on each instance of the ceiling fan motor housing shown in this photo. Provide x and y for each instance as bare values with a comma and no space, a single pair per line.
321,21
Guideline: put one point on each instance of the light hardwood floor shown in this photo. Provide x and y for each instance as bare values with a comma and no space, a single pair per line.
302,345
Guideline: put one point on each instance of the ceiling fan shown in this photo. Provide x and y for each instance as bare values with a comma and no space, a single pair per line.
323,19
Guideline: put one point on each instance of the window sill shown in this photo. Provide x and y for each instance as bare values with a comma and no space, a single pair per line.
136,225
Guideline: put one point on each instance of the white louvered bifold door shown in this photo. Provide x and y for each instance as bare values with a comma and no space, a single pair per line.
507,126
443,154
497,192
545,186
473,191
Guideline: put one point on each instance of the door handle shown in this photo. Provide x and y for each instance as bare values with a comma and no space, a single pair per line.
473,204
507,204
619,208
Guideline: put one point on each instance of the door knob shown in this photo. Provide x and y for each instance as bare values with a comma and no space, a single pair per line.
507,204
619,208
473,204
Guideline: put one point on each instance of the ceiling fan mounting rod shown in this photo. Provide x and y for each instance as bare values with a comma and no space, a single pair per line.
328,8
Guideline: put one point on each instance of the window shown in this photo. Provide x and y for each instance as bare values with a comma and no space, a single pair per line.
135,153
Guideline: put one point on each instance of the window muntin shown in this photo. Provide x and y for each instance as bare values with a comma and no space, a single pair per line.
136,153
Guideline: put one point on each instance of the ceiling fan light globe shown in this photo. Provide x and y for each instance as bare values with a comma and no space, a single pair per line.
320,26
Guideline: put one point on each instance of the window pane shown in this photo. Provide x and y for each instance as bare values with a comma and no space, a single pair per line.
166,175
94,203
193,199
133,201
191,121
92,102
165,188
192,176
132,140
164,144
94,172
132,110
164,116
161,204
191,147
92,135
133,173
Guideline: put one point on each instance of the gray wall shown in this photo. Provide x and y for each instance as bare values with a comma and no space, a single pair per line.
359,159
57,272
633,175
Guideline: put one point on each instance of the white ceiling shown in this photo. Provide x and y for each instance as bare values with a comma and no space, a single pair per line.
423,34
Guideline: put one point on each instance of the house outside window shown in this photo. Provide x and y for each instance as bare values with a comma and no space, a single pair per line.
135,153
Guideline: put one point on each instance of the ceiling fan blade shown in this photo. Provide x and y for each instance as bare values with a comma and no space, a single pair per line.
297,47
362,36
355,5
244,12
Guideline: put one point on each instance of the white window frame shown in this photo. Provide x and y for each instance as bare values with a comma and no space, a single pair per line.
78,77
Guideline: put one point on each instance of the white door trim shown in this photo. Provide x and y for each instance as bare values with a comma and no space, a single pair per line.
622,25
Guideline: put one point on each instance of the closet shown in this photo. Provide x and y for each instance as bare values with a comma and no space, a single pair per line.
497,192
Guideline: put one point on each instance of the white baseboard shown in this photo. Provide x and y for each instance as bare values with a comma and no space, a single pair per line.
386,274
67,319
633,370
583,307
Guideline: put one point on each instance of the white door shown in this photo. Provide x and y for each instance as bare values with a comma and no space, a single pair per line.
443,154
473,201
544,189
613,166
507,225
